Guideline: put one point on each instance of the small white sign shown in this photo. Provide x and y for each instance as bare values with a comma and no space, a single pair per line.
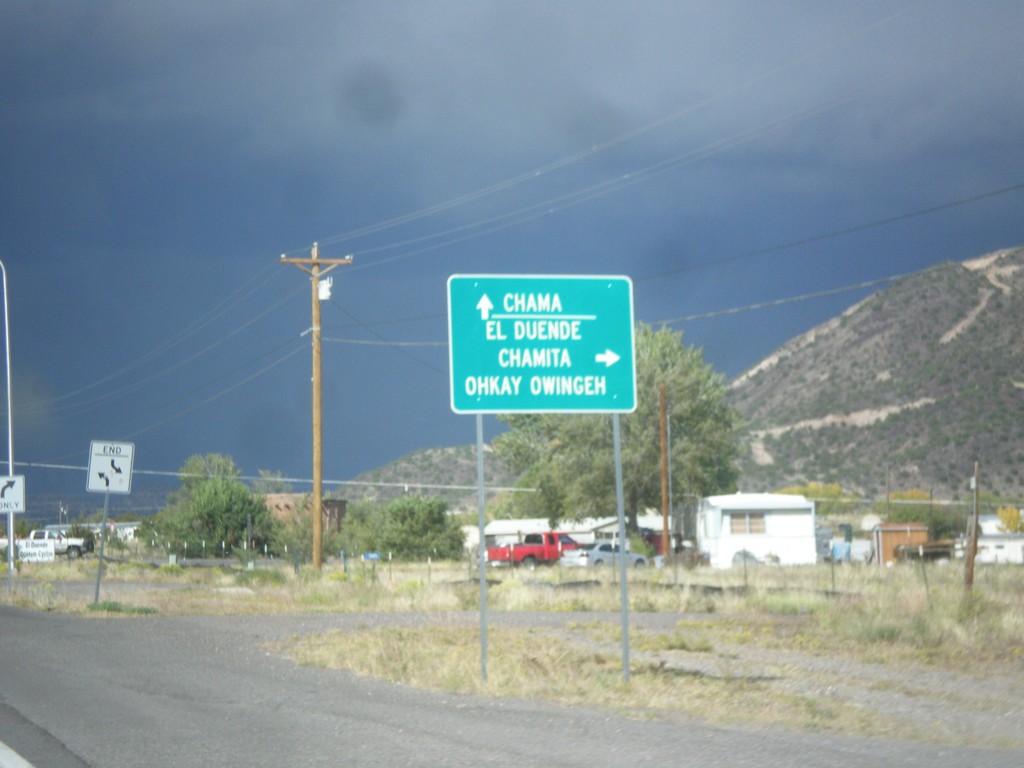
12,494
110,467
30,551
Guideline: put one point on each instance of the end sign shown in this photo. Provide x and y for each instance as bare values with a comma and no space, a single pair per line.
110,467
541,344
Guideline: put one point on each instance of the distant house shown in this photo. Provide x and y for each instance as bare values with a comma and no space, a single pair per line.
995,544
763,527
1001,548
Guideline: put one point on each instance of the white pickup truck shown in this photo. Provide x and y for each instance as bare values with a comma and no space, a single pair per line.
71,546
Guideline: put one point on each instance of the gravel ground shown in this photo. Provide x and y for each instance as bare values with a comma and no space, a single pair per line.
977,706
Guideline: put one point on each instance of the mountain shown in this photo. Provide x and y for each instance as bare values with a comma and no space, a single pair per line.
906,389
449,473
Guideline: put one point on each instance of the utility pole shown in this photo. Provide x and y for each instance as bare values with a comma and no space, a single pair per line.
665,549
312,266
972,536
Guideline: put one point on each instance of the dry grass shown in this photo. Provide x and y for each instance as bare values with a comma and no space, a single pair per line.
773,647
574,669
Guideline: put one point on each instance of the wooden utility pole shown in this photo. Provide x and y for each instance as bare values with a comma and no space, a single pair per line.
972,536
312,266
664,476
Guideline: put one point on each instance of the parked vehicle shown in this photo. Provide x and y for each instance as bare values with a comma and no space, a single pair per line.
600,554
71,546
535,549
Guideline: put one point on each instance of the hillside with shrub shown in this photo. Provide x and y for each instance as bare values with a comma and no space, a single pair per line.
905,389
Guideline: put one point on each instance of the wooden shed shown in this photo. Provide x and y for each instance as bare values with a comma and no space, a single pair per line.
887,536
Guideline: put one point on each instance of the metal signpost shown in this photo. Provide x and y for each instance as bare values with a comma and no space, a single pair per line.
110,471
542,344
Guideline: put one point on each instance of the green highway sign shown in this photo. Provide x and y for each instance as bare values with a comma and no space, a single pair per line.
541,344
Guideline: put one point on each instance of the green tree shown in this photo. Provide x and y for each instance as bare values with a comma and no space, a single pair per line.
569,459
360,528
214,505
916,506
418,527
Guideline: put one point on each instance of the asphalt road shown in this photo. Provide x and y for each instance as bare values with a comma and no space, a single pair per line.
205,691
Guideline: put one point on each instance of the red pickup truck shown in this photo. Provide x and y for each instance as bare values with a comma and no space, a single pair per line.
535,549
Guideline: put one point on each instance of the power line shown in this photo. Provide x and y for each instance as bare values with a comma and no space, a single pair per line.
780,302
386,343
216,311
571,159
407,484
581,195
837,232
218,395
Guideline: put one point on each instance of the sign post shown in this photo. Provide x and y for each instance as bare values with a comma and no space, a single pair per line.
110,471
542,344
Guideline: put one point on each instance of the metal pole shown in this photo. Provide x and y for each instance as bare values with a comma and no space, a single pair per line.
10,435
621,505
482,548
103,539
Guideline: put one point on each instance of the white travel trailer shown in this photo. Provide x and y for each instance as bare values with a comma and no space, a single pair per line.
766,527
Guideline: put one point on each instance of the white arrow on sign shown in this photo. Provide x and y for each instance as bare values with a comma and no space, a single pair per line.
485,307
607,357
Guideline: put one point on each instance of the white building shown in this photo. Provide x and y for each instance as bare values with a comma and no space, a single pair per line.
767,527
1001,548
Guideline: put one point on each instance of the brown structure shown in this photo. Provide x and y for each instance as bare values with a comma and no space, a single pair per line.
886,537
286,507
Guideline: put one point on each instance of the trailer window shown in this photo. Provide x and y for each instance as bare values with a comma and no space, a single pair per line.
746,522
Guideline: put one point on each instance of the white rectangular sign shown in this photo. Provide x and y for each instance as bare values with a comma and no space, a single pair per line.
30,551
12,494
110,467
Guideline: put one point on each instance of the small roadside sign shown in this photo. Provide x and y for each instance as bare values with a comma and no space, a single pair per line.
12,494
541,344
110,467
30,551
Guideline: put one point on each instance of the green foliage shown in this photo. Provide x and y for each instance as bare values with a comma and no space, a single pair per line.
410,527
81,532
418,527
213,507
943,522
569,458
359,530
